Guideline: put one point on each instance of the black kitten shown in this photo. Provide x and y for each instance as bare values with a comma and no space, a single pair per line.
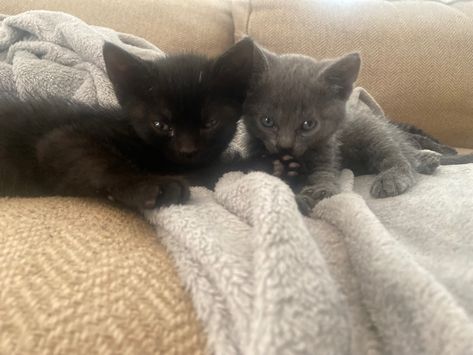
178,114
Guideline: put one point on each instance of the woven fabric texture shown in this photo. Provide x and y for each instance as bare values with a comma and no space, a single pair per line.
203,26
417,55
81,277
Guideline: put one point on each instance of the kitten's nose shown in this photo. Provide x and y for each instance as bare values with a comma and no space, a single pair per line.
285,144
187,148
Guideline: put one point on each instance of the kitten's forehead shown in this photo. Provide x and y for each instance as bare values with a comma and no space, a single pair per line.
292,80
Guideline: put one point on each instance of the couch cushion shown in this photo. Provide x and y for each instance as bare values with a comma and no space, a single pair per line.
417,55
81,277
204,26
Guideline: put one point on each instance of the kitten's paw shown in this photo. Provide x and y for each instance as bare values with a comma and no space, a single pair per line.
311,195
148,193
173,191
392,182
428,162
286,166
305,204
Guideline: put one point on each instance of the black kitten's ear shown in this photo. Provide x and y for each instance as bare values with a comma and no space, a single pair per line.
127,72
234,69
341,74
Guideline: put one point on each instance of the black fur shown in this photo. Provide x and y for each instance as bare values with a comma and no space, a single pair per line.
422,140
177,114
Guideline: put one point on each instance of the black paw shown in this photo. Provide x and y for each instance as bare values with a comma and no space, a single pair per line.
148,193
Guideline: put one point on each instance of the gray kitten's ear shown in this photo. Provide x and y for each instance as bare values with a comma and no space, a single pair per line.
341,74
127,72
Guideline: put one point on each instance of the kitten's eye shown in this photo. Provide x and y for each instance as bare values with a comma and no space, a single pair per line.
161,127
309,125
267,122
210,123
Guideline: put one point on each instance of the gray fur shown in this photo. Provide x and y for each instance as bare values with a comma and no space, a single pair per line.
291,89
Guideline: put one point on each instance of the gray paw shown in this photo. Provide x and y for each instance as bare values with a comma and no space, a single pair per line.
305,204
392,182
428,162
311,195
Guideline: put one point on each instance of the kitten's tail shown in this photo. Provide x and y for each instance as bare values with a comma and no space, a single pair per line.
456,159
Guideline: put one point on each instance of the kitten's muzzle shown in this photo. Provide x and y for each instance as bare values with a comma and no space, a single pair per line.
187,148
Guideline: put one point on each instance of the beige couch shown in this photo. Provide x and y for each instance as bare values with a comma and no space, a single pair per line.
80,276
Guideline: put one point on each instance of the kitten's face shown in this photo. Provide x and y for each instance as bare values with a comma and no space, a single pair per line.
297,103
184,106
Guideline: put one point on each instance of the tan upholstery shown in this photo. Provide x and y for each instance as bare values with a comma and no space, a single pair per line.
81,277
203,26
417,55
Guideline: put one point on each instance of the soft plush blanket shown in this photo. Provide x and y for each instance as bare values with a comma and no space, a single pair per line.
44,53
360,276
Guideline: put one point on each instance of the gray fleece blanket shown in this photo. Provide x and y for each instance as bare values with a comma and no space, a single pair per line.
360,276
44,54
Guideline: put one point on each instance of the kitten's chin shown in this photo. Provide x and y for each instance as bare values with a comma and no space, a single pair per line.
198,159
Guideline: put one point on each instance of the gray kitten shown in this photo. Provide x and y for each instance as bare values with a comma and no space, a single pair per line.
296,109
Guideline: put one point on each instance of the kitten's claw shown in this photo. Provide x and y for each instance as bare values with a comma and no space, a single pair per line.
392,182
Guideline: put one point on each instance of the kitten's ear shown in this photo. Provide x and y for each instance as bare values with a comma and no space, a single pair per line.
128,73
234,69
341,74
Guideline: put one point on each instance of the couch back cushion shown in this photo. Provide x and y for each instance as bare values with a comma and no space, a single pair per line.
203,26
417,55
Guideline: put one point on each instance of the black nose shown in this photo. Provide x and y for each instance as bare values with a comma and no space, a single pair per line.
188,153
188,150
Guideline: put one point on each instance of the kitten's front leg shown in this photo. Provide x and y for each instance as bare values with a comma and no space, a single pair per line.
85,167
322,181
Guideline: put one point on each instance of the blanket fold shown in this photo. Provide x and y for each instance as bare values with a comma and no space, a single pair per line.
45,53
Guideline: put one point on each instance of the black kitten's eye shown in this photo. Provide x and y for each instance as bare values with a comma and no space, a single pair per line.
267,122
211,123
309,125
161,127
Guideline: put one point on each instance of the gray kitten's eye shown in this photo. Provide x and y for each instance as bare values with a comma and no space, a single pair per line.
267,122
309,125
